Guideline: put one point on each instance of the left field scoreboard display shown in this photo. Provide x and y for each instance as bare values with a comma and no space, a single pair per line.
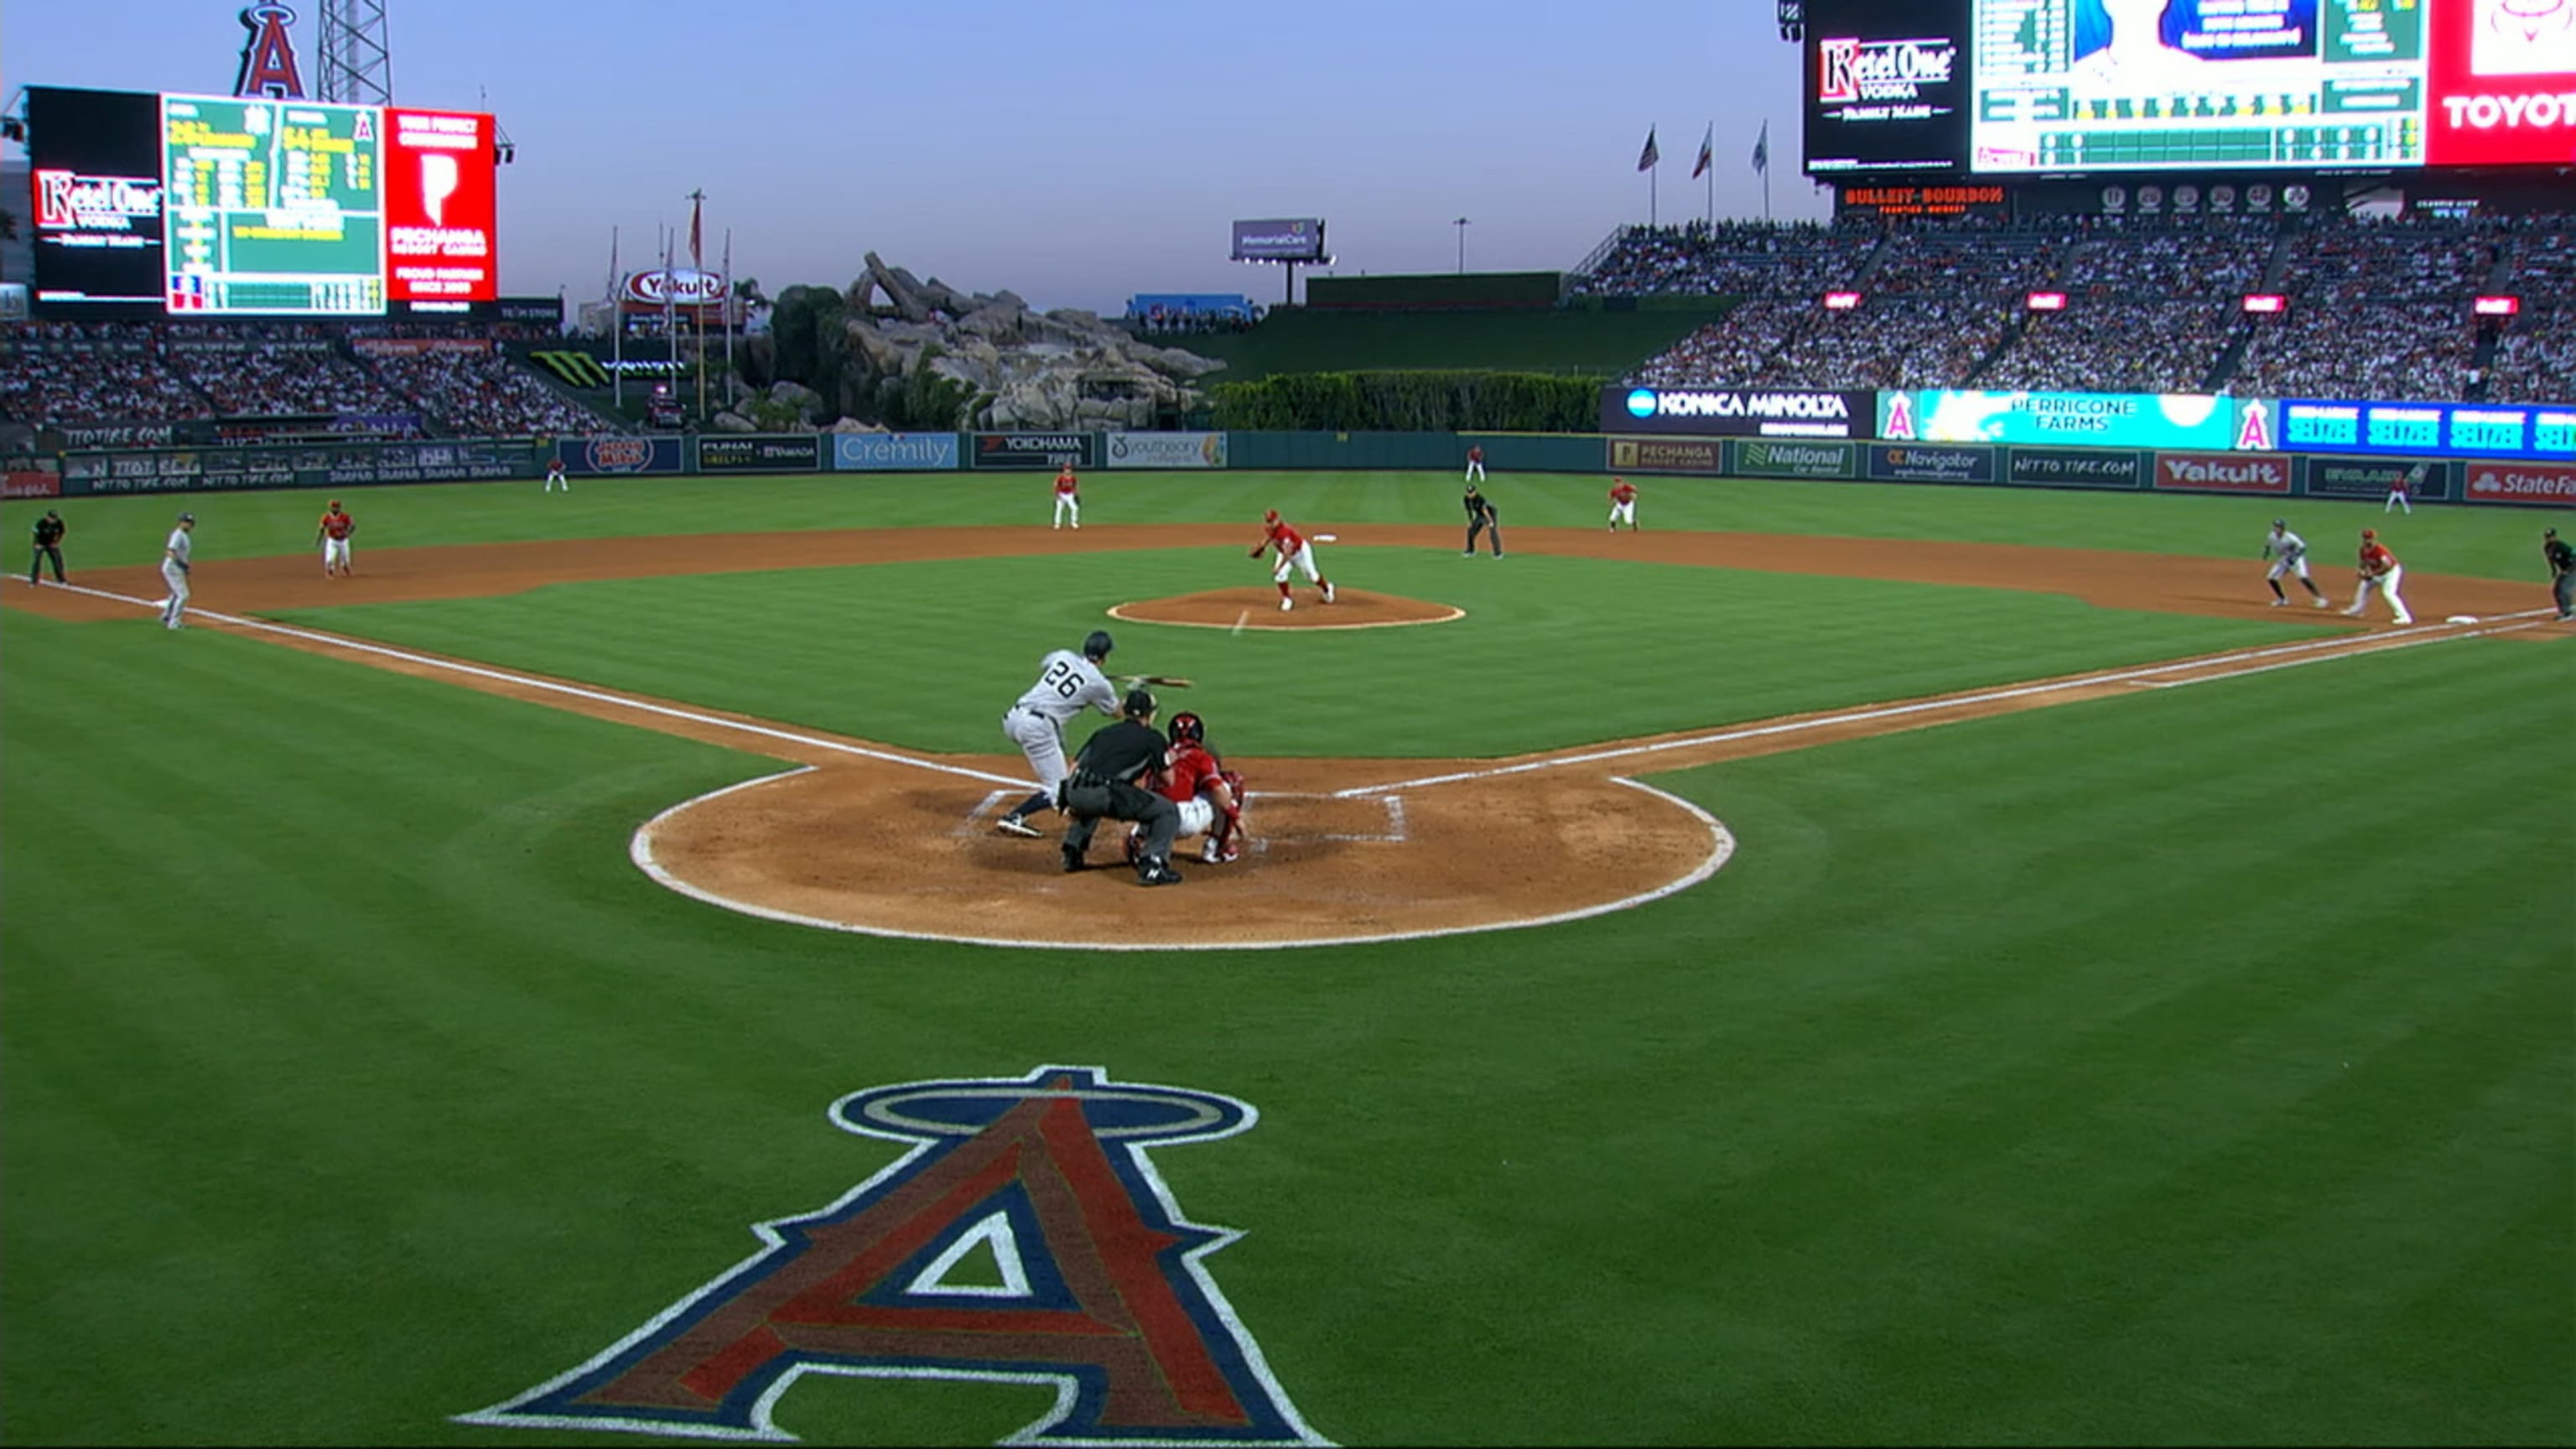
186,205
274,207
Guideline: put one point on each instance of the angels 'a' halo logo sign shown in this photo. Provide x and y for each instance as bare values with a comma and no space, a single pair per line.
1027,1238
268,65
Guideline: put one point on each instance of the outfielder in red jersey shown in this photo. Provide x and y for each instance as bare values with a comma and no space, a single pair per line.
333,535
1293,550
1068,498
1623,504
2379,567
1209,795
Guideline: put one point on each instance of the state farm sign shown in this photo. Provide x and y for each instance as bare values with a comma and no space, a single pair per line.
679,287
2545,483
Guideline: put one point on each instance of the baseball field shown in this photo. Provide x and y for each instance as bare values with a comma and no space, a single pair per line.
1845,964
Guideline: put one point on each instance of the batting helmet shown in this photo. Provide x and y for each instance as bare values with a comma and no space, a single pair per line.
1188,726
1140,703
1097,644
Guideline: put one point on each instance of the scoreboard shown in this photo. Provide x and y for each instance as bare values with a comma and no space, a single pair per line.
254,206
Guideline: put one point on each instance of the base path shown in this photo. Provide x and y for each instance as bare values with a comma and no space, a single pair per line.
871,838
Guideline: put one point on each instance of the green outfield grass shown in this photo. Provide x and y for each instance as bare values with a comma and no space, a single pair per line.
2481,542
2191,1066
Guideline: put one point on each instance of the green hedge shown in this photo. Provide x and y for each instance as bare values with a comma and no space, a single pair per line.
1457,401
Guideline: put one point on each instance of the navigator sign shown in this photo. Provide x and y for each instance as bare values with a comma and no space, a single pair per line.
1733,412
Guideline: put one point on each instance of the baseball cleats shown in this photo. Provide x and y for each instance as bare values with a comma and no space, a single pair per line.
1328,593
2319,600
1286,603
1014,825
2277,603
1073,861
1215,854
2352,613
1154,872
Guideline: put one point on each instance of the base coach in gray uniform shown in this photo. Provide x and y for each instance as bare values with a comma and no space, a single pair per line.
1107,784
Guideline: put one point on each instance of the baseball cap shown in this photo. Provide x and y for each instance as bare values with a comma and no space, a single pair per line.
187,518
335,502
1271,516
2280,523
2370,533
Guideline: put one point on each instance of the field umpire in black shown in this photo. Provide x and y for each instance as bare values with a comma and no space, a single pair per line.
2562,572
49,545
1480,517
1103,786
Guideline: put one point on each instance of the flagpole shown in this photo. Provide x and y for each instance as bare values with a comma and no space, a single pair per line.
670,303
698,265
727,315
1654,174
616,328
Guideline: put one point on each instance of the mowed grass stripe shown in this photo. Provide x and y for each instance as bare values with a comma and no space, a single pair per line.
1553,652
2479,542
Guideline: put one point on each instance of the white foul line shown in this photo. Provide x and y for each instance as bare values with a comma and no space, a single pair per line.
574,691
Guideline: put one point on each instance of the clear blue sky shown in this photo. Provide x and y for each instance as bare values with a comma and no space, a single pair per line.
1075,153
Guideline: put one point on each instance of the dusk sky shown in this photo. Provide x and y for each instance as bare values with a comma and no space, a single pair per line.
1074,153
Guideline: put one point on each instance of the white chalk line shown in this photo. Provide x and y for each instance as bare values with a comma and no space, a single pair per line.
573,691
2380,644
2342,646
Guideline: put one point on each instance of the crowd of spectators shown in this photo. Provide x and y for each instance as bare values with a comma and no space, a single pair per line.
479,393
2371,350
281,379
2119,346
2222,257
1730,259
2428,260
52,373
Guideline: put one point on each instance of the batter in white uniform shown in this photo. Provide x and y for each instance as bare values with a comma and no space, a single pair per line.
1066,685
2289,554
174,571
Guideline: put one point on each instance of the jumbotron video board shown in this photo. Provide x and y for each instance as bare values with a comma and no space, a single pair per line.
2006,87
252,206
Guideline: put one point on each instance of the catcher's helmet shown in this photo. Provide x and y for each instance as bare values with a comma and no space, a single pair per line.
1187,726
1097,644
1140,703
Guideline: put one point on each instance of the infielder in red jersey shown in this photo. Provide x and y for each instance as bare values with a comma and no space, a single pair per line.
1623,504
1068,498
333,535
2378,567
1293,550
1209,795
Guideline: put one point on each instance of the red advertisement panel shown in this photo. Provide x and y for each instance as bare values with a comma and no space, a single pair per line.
31,484
2549,483
439,207
2503,83
2222,473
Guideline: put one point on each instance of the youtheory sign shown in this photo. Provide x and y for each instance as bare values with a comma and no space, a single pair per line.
1733,412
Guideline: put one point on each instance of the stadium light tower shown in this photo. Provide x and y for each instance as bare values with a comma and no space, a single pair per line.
1461,223
1793,20
357,61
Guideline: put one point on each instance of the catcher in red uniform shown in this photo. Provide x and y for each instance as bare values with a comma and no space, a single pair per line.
1209,794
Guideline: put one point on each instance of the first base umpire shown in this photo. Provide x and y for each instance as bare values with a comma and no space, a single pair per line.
1104,786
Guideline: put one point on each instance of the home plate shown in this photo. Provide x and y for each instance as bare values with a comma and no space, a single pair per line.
2461,619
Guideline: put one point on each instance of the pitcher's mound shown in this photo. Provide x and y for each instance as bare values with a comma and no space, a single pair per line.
1257,607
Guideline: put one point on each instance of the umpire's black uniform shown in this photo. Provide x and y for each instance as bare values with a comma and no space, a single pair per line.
49,545
1480,517
1103,785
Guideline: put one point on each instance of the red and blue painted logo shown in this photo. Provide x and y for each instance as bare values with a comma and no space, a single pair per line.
1027,1238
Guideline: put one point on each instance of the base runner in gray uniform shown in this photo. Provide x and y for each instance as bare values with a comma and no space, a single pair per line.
2289,555
1067,685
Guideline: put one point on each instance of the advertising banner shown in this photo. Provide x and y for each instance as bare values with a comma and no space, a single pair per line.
617,454
31,483
361,464
416,346
1034,450
1297,239
1667,455
2552,484
266,467
1734,412
2427,480
1793,460
2503,83
94,160
2221,473
2077,467
1930,463
544,311
2474,430
894,452
1887,86
118,435
1166,450
748,453
2106,419
439,207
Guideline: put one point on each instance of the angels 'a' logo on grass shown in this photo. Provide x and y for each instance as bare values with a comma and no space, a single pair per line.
1026,1238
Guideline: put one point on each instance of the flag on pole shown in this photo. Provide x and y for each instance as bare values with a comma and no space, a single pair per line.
1707,152
1762,149
1647,158
697,254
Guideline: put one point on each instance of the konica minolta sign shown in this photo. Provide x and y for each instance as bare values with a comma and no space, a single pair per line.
1737,412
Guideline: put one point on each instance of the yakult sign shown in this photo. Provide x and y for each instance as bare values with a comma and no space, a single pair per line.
678,287
1733,412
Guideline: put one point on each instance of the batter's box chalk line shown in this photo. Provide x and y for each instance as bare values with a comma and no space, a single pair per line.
978,821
